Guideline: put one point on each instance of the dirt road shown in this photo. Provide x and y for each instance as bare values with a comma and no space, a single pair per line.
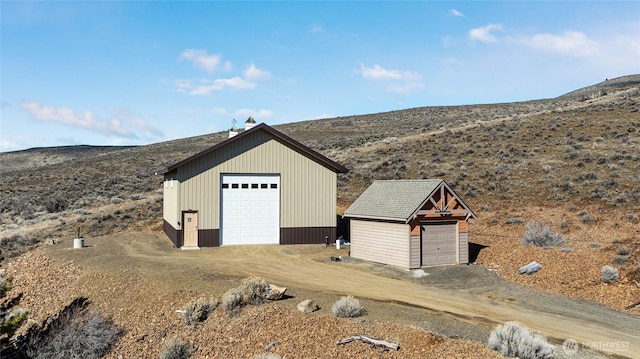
469,299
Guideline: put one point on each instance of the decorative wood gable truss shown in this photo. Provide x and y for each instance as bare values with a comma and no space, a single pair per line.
443,201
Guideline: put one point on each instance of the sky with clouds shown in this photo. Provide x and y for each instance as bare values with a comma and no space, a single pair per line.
133,73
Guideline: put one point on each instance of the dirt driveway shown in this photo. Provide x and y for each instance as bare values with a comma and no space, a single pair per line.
458,301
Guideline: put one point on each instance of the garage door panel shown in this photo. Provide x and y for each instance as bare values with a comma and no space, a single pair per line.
250,209
439,243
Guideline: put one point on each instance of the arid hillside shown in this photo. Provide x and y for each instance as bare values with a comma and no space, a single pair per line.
574,149
571,163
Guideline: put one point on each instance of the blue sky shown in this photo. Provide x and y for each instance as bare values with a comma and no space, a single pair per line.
131,73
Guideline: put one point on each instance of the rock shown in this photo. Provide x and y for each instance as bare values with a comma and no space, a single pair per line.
52,241
530,268
307,306
275,292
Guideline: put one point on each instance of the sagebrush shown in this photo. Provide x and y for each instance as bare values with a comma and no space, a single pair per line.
75,332
512,340
609,274
347,307
199,310
174,348
540,235
253,290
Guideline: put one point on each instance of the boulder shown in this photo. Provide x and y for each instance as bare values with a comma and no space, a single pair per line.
307,306
274,292
530,268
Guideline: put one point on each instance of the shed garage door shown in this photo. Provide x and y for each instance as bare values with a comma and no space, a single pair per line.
439,243
250,209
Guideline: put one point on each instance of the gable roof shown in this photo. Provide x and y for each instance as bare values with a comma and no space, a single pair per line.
398,200
278,136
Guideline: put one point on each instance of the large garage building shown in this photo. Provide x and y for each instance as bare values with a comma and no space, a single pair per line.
258,187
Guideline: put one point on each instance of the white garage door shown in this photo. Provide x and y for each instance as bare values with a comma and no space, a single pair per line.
250,209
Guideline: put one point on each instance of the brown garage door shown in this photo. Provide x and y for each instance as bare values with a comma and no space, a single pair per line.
438,244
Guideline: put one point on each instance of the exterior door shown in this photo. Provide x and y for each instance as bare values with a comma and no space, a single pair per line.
190,227
439,242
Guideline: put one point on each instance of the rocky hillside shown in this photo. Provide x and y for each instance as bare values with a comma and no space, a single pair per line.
546,152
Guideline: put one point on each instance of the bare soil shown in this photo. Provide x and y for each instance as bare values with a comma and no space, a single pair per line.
139,281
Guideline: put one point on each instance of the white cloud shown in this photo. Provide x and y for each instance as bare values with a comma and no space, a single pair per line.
455,12
201,87
450,61
205,87
8,145
485,33
252,73
571,43
378,72
398,81
316,28
190,111
116,126
204,61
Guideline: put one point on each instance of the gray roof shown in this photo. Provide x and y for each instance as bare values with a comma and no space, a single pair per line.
392,199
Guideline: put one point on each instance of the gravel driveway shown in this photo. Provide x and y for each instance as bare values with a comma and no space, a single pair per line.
458,301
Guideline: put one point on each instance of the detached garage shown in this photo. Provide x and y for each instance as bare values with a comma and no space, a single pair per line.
410,224
258,187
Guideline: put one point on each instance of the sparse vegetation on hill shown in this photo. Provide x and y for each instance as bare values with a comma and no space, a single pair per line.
571,162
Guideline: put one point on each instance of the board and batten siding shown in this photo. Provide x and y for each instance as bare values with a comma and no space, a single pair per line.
307,188
382,242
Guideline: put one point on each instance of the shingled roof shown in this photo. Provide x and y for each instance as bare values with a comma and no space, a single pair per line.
395,199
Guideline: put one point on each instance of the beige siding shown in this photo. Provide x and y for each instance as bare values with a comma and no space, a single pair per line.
463,256
381,242
307,189
415,260
170,209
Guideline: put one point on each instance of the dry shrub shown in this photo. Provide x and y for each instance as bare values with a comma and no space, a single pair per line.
540,235
347,307
253,290
609,274
512,340
74,333
199,310
174,348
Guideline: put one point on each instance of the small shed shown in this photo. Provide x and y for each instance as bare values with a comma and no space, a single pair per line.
410,224
259,186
